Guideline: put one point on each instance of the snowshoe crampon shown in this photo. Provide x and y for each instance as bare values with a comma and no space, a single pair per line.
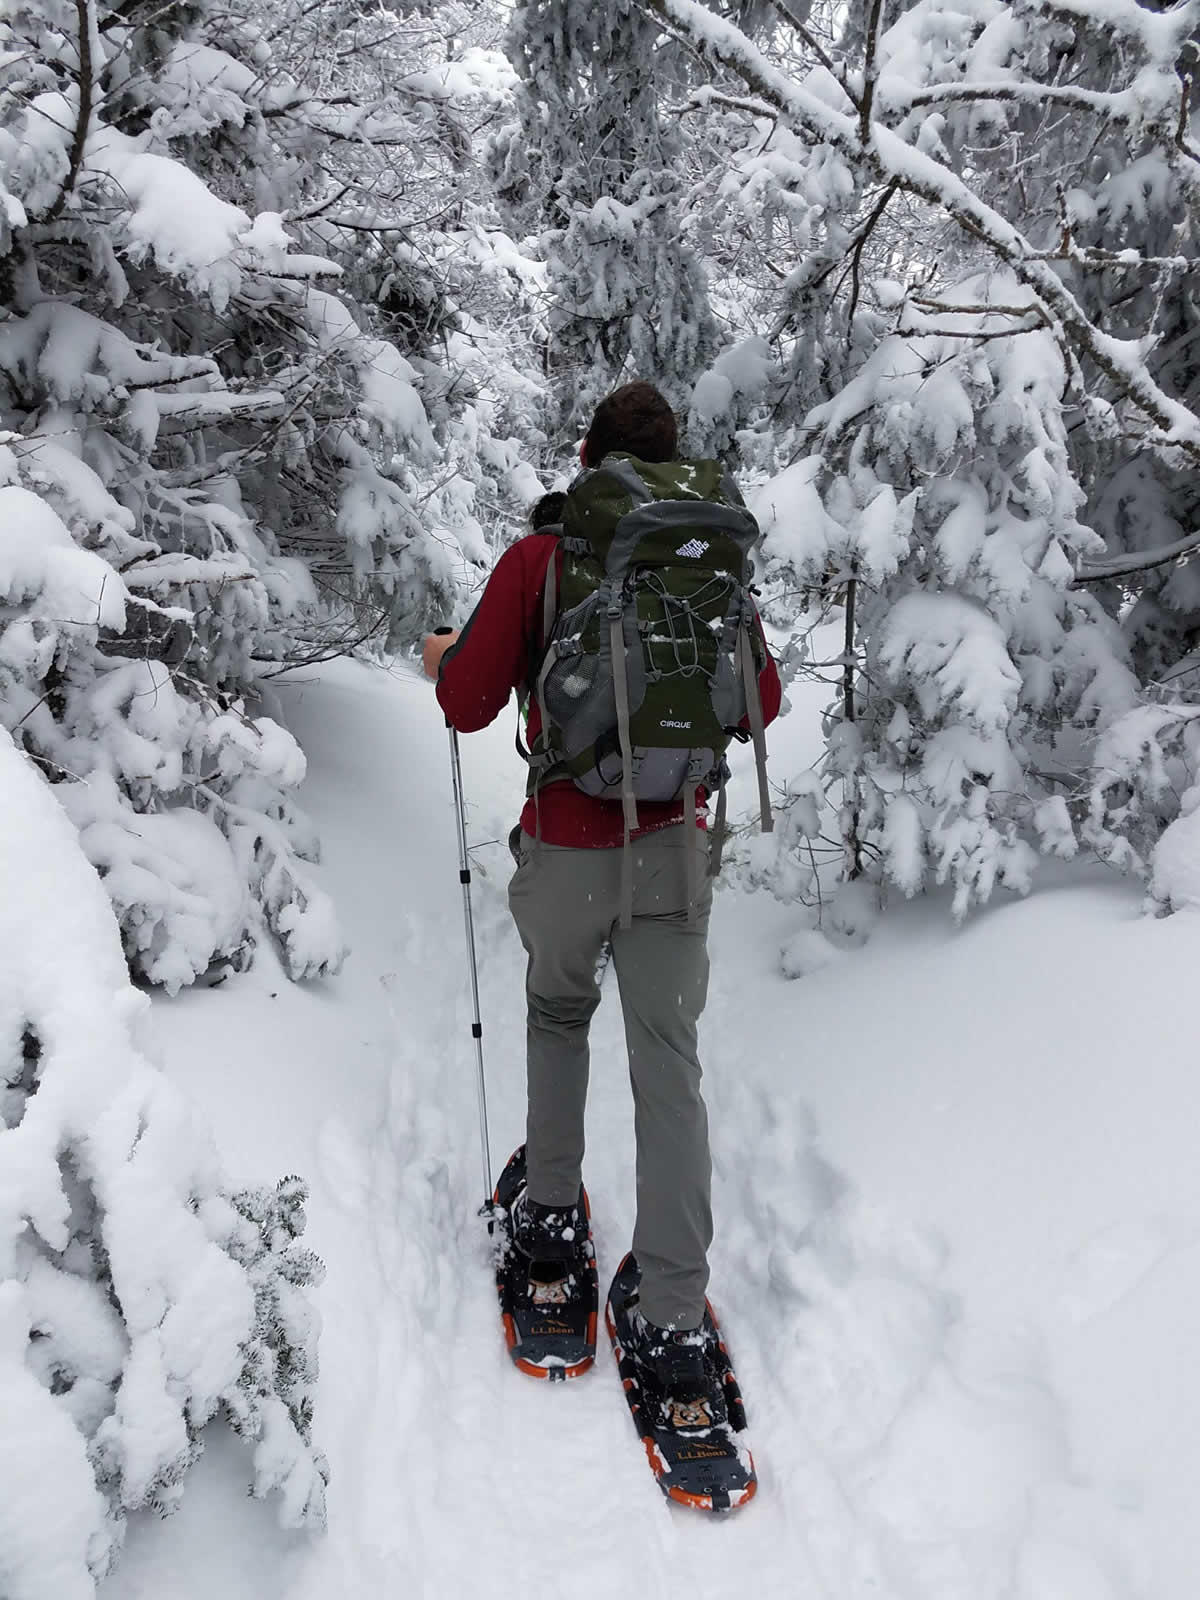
548,1308
690,1439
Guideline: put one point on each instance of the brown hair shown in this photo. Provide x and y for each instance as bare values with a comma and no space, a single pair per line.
548,510
636,418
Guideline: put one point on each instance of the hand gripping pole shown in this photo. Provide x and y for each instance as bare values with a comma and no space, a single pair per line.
464,877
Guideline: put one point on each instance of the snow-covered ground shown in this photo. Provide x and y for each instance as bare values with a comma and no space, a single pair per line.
958,1207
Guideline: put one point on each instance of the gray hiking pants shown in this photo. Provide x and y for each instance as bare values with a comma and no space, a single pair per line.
566,904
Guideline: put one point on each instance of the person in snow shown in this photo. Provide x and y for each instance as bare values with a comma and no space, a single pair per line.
566,900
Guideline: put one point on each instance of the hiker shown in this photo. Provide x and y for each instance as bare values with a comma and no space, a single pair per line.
609,870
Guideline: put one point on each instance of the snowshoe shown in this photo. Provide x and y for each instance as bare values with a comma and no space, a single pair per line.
545,1278
685,1401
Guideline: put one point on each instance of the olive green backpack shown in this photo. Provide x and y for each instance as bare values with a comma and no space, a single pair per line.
651,655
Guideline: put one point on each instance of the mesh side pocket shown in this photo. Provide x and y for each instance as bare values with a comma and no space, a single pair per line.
568,684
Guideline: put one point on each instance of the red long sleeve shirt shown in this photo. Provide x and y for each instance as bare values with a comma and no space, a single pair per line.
492,657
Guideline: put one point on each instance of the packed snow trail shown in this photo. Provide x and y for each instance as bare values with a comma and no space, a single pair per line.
911,1445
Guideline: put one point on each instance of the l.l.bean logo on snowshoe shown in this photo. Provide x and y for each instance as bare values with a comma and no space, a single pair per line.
703,1452
694,548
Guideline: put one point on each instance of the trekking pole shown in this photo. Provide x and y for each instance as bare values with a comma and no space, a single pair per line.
464,877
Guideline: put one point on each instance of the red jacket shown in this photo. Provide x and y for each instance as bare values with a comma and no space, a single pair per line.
492,657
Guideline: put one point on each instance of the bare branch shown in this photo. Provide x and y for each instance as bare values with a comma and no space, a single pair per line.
975,334
318,209
83,12
978,309
810,39
860,244
870,70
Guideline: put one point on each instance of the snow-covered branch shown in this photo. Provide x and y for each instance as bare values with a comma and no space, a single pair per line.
1116,106
889,159
1160,35
1126,566
870,73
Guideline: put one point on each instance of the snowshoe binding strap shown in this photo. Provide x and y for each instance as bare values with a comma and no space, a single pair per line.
549,1233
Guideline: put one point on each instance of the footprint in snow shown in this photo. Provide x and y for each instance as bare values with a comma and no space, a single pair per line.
1109,1267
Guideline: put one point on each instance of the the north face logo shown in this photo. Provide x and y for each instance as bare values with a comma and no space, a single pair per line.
694,548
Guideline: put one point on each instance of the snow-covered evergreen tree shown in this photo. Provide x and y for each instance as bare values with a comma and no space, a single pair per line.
591,167
973,668
1078,125
959,134
139,1297
210,467
401,203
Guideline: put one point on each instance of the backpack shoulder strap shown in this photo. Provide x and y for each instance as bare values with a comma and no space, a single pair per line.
538,647
550,597
568,546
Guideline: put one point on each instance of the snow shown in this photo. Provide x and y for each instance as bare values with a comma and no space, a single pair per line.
41,564
1160,35
34,157
952,653
192,66
1175,879
957,1211
482,75
797,531
806,952
172,879
742,371
390,396
45,1547
132,1304
172,212
68,349
55,463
